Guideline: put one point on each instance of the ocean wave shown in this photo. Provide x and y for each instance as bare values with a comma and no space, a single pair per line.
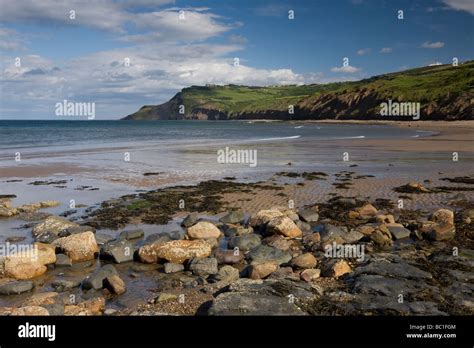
279,138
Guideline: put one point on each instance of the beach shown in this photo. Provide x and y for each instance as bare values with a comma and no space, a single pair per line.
415,169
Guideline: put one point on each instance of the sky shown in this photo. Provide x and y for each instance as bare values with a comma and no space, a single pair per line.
123,54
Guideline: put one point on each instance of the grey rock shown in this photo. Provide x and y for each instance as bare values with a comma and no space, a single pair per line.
131,234
264,253
16,287
96,279
64,285
245,242
308,215
119,250
227,274
203,267
63,260
398,232
157,238
229,257
233,217
46,237
190,220
173,267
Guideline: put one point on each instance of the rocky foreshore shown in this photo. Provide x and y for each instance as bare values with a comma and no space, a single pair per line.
345,256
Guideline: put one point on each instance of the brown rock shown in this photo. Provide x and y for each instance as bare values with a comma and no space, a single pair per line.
278,242
263,217
30,311
367,211
203,230
284,226
79,246
54,224
41,299
176,251
262,270
306,260
443,231
94,306
443,216
336,268
114,284
229,257
309,275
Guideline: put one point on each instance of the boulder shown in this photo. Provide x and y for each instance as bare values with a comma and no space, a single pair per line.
264,216
131,234
245,242
284,226
13,287
203,267
114,284
203,230
93,306
30,311
63,261
398,231
306,260
367,211
54,224
336,268
308,275
227,274
277,241
173,267
262,270
190,220
308,215
443,216
441,232
263,253
233,217
119,250
79,247
96,279
229,257
176,251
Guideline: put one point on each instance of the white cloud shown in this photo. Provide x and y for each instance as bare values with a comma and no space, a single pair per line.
437,44
345,69
386,50
363,51
461,5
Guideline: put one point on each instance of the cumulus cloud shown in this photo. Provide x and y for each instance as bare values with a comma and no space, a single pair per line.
461,5
437,44
363,51
345,69
386,50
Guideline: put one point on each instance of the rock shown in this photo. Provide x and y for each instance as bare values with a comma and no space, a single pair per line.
131,234
382,236
49,204
263,253
227,274
233,231
46,253
7,212
119,250
413,187
23,267
308,215
157,238
245,242
277,241
398,231
367,211
303,226
284,226
176,251
76,229
63,261
308,275
336,268
203,230
392,269
366,230
229,257
262,270
94,306
114,284
385,219
312,239
96,279
190,220
233,217
264,216
102,238
30,311
15,287
79,247
306,260
173,267
285,273
203,267
46,237
64,285
443,216
442,232
15,239
54,224
41,299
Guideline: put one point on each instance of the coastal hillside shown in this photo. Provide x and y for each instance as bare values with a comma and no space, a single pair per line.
444,92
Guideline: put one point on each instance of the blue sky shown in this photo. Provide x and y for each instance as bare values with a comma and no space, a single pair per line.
83,59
